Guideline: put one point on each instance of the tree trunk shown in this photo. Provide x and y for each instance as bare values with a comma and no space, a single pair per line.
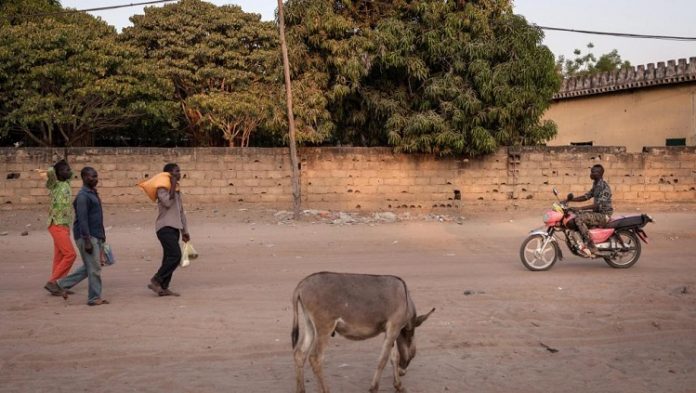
294,161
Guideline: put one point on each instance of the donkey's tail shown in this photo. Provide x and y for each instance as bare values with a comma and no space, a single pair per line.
295,328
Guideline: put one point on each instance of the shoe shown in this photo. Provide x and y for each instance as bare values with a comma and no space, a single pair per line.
54,289
593,249
156,288
167,292
98,302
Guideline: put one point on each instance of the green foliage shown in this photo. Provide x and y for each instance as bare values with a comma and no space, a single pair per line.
423,76
64,80
587,64
13,12
442,77
222,62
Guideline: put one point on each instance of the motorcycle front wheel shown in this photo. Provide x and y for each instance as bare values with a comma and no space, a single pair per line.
627,257
534,257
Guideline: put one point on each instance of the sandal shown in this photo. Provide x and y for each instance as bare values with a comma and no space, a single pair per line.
167,292
156,289
98,302
54,289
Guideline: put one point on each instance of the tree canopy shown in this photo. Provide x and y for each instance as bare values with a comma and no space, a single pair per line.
222,62
13,12
445,77
63,80
588,64
431,76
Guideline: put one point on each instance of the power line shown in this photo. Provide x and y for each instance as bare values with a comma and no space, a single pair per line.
624,35
111,7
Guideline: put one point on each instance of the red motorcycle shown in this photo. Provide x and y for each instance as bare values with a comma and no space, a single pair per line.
618,243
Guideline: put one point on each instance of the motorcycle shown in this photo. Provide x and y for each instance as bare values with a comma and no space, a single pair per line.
618,243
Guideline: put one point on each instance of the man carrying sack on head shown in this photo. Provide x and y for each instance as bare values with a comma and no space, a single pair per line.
171,221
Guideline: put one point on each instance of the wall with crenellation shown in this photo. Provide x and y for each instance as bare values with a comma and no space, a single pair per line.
360,178
632,107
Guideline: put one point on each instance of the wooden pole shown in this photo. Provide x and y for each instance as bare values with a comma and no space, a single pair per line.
294,161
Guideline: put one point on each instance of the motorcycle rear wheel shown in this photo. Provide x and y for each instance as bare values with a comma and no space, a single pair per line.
533,257
627,258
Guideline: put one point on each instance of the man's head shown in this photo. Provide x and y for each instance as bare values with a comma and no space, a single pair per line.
173,169
596,172
89,177
62,170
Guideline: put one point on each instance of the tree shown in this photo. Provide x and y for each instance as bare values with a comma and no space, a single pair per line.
221,61
65,79
587,64
235,114
14,12
611,61
444,77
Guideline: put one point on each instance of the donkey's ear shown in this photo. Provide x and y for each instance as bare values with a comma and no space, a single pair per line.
421,318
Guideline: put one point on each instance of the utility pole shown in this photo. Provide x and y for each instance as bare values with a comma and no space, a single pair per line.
294,161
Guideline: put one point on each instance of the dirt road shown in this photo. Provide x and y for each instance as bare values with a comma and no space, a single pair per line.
614,330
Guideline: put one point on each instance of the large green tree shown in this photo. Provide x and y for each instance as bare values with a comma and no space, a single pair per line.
447,77
222,62
64,79
13,12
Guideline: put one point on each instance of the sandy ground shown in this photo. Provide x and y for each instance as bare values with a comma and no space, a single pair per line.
614,330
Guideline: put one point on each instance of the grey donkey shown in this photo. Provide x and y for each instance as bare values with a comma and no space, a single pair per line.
358,307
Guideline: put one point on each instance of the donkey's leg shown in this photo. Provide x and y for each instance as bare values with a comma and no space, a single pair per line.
389,338
301,350
395,366
316,358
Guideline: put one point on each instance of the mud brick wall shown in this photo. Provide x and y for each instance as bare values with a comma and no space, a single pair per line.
360,178
658,174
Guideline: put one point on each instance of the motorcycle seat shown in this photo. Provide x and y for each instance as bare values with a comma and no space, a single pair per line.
628,221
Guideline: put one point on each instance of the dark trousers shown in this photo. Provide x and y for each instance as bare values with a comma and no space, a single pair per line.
587,220
169,237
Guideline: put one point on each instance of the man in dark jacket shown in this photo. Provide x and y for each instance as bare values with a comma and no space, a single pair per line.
88,230
598,213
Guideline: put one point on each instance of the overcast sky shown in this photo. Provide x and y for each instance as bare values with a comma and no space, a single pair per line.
666,17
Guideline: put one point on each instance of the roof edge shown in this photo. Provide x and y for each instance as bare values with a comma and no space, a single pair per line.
672,72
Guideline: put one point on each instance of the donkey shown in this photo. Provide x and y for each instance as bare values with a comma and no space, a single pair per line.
358,307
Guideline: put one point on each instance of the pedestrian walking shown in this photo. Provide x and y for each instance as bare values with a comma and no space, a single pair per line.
60,216
170,223
88,230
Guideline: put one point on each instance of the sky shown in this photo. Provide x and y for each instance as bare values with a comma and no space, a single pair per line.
666,17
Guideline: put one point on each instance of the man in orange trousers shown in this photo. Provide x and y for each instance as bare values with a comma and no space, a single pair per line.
60,217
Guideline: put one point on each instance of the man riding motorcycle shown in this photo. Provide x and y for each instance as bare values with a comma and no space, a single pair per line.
598,213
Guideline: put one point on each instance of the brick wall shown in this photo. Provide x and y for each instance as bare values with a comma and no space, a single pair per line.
366,178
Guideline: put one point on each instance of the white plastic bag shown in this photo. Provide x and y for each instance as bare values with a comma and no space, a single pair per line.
187,253
192,253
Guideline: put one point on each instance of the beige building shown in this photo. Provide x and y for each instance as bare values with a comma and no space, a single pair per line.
636,107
